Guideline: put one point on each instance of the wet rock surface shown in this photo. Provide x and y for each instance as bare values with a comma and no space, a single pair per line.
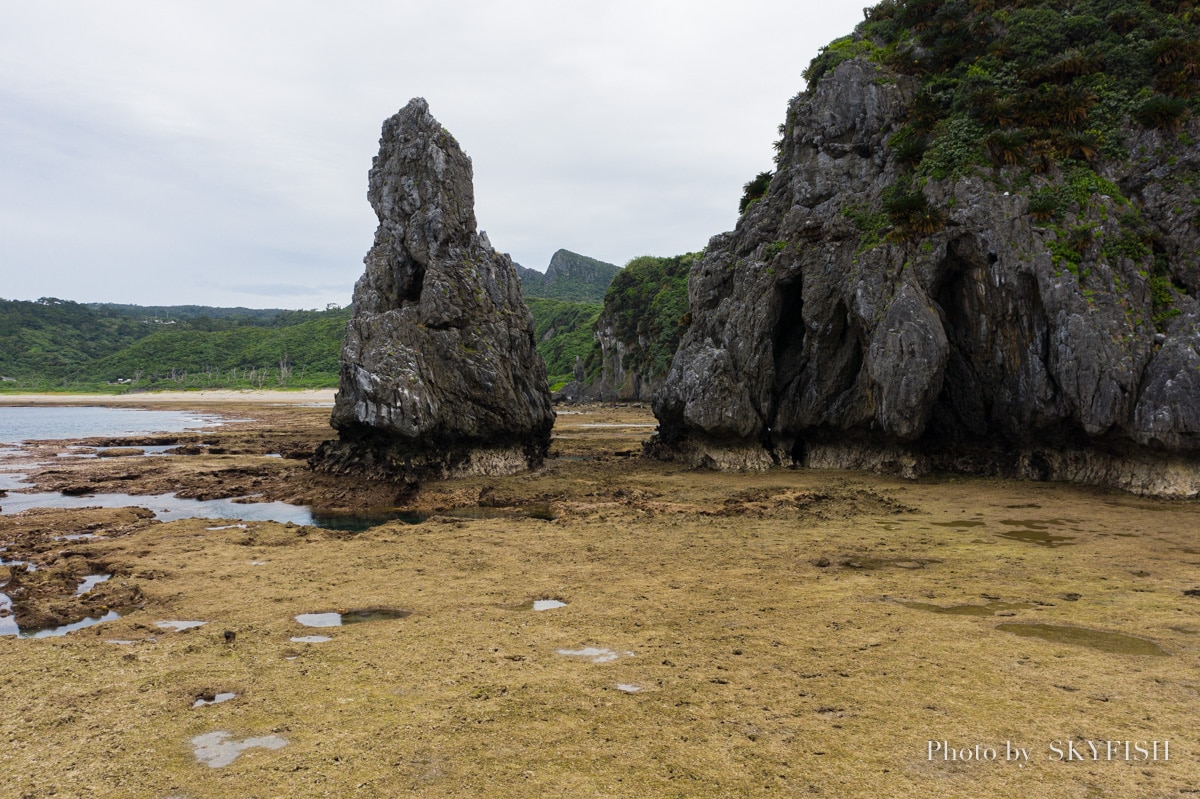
822,336
439,374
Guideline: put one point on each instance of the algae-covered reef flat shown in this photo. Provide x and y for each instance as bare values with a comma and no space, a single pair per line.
789,632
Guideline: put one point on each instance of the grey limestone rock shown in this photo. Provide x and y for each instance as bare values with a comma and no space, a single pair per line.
439,373
820,339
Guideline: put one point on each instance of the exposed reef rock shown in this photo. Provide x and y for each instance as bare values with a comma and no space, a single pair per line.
439,374
983,338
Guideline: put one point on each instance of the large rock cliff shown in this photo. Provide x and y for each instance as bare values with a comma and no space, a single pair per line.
439,373
1001,319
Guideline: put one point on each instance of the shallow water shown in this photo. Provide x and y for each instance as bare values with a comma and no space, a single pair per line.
320,619
96,452
90,582
8,625
166,507
594,654
1114,643
169,508
12,481
351,617
216,699
217,749
18,424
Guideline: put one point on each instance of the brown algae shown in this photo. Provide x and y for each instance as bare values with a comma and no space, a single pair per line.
1036,531
989,609
1113,643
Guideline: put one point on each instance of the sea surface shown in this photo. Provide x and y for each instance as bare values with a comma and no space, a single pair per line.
19,424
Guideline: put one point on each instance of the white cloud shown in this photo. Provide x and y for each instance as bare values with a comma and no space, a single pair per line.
179,153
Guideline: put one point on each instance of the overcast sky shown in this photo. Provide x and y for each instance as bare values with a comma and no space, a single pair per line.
216,153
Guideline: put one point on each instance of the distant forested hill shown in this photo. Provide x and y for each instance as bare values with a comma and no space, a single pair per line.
52,344
570,277
57,344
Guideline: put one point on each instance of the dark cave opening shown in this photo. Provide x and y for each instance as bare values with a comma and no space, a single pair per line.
416,281
788,340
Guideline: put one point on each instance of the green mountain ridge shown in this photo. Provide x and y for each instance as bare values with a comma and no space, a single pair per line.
569,276
52,344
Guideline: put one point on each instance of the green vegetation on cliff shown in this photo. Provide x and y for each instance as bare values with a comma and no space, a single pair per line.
1037,96
645,315
564,332
1029,82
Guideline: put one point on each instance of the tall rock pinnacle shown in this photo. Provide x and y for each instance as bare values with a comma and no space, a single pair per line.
439,374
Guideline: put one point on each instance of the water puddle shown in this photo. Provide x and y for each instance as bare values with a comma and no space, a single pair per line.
351,617
217,749
8,625
179,626
360,522
81,451
309,639
1113,643
628,688
594,654
963,524
548,604
990,609
320,619
1037,531
213,699
90,582
169,508
166,507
